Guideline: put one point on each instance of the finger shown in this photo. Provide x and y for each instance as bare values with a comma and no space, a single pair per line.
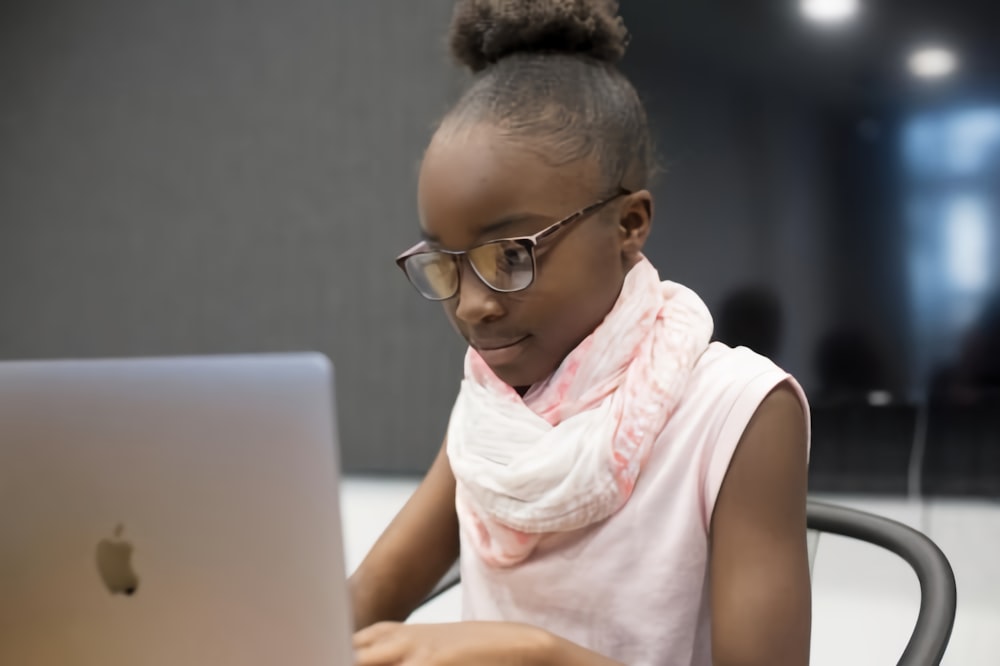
390,652
373,633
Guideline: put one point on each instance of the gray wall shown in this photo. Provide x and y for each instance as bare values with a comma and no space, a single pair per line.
212,176
745,197
218,176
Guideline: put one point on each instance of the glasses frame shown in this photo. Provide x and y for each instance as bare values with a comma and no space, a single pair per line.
529,243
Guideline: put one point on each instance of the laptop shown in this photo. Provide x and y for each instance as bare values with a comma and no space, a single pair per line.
171,511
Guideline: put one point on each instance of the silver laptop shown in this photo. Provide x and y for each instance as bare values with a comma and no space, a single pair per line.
170,511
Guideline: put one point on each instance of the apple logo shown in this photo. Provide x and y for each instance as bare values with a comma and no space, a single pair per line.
114,563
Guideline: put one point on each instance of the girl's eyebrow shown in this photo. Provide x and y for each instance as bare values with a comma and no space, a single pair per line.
492,228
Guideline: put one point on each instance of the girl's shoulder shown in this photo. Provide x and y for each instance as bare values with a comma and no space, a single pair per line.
724,371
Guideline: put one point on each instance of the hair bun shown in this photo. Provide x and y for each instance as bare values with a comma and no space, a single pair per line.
485,31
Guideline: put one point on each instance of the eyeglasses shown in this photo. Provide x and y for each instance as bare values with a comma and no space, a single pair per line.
505,265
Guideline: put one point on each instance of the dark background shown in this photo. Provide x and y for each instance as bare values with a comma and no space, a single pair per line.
209,176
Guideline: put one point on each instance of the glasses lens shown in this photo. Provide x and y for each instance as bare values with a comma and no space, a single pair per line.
434,274
503,265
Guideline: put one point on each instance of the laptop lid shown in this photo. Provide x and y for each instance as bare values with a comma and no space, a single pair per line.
171,511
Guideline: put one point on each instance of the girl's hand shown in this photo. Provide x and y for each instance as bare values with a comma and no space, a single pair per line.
457,644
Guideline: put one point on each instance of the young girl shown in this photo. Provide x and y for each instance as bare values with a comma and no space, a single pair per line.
621,490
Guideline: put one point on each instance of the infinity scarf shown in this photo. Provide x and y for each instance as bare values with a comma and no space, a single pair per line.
569,453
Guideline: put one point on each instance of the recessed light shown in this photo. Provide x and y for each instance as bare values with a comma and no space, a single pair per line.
933,62
829,11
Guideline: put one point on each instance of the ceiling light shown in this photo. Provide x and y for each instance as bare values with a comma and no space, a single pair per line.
829,11
932,62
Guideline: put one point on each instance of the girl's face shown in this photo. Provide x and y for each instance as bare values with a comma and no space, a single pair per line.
477,186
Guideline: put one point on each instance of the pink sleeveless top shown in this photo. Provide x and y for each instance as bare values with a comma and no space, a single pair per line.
635,587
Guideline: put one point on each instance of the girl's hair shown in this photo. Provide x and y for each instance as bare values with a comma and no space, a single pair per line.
546,76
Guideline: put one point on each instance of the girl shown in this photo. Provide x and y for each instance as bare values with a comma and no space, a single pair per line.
621,490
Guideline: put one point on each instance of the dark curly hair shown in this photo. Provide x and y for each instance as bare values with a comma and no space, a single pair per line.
546,74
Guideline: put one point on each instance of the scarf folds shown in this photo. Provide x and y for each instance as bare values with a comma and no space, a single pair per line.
569,453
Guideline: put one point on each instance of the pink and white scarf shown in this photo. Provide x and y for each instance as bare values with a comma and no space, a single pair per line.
569,453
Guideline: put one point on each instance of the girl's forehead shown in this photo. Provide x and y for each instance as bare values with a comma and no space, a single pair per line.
478,186
482,167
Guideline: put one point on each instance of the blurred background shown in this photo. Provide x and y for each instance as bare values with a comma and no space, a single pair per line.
214,176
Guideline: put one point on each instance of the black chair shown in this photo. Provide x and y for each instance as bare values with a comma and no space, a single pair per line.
936,616
938,595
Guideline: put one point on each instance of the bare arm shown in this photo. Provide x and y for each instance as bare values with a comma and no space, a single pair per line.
412,554
759,561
